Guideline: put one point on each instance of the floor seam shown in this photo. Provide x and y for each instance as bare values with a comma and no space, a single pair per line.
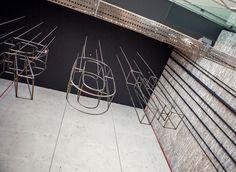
117,146
58,135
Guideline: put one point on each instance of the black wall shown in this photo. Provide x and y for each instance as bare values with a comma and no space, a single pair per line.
72,29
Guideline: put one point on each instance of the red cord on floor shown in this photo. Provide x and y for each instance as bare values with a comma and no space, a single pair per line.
161,148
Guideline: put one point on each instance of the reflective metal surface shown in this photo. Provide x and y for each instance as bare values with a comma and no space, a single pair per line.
150,28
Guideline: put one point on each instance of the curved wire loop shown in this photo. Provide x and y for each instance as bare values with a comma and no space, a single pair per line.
91,77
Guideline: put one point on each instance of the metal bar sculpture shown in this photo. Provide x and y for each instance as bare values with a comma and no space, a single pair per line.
25,58
85,71
169,116
135,82
152,102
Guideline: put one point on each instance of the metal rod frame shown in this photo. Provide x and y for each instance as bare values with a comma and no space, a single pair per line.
12,20
166,115
104,89
25,58
166,110
153,106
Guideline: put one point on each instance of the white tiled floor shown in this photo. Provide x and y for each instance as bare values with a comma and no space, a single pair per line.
113,142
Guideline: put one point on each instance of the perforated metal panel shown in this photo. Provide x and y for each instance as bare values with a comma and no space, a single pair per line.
150,28
85,6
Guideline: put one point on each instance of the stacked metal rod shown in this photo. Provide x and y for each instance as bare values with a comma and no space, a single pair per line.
154,104
91,77
24,55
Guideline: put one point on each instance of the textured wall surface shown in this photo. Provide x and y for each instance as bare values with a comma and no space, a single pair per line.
205,140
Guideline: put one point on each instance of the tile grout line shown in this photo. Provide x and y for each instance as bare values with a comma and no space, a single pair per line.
58,135
117,147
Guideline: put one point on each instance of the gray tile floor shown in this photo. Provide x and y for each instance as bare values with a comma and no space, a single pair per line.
113,142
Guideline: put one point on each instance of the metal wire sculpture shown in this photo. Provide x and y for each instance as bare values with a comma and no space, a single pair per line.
136,83
91,77
25,58
152,102
169,116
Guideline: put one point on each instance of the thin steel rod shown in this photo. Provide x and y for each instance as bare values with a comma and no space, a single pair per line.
131,70
149,90
29,30
17,51
140,102
101,54
14,31
100,50
153,92
84,47
82,87
131,98
126,58
48,35
150,69
136,86
83,53
10,21
44,48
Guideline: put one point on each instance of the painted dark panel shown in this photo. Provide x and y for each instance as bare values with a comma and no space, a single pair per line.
73,27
